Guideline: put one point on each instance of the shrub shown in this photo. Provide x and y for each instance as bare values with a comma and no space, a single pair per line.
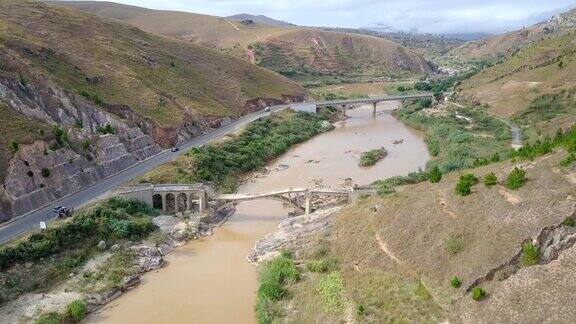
490,179
478,293
13,146
106,129
49,318
331,290
530,255
61,135
495,158
455,282
454,244
273,276
568,160
322,265
85,144
371,157
465,183
258,143
569,222
435,175
516,179
360,311
76,310
45,172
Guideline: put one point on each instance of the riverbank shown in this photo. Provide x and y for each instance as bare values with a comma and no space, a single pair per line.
196,286
103,269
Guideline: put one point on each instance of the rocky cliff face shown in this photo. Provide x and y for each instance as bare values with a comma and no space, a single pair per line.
45,171
100,141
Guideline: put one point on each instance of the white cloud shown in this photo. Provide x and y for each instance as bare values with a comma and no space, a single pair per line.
437,16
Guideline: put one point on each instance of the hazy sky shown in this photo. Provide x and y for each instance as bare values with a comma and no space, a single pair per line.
436,16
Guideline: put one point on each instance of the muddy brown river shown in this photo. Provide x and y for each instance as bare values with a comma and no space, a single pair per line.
209,280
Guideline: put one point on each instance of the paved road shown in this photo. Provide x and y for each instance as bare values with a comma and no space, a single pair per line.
31,220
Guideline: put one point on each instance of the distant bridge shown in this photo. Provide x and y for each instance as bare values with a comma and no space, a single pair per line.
171,198
373,100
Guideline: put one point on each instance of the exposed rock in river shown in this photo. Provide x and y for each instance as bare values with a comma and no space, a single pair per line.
292,232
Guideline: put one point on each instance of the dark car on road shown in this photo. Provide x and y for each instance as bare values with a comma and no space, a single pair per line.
62,212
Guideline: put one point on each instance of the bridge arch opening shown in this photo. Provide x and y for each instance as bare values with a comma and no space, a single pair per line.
157,201
182,202
170,203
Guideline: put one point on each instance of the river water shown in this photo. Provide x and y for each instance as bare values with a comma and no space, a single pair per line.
209,280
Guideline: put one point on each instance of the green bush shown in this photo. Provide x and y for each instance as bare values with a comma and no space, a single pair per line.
323,265
45,172
454,244
435,175
273,276
478,293
360,310
260,142
49,318
13,146
370,158
331,290
516,179
569,221
465,183
81,229
530,255
61,136
76,311
490,179
455,282
568,160
106,129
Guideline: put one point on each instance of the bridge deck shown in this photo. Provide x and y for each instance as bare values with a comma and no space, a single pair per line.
373,99
284,192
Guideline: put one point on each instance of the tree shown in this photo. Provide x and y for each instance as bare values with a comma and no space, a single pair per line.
435,175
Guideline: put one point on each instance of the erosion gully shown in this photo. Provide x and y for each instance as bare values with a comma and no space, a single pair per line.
209,280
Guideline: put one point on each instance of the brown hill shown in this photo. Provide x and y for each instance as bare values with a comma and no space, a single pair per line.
535,86
288,49
106,95
508,43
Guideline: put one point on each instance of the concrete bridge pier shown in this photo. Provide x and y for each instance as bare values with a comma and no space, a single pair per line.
343,108
308,203
202,202
374,104
164,203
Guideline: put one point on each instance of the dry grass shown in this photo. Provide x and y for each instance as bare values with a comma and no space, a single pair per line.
14,126
301,49
416,228
509,87
162,79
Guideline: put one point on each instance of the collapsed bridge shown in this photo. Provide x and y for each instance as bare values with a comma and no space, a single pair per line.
173,198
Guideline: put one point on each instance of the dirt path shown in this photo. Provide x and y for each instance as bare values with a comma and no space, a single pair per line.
384,248
442,202
235,27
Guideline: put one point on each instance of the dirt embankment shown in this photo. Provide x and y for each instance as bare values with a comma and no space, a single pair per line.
477,238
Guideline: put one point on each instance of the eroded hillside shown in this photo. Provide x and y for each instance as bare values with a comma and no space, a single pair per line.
508,43
297,52
106,95
535,86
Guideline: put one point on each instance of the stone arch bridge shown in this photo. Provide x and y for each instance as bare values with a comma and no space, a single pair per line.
172,198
